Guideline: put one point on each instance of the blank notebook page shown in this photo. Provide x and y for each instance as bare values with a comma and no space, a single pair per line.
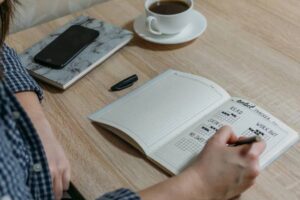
162,105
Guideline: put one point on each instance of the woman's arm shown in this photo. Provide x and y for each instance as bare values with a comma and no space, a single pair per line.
29,93
221,172
58,163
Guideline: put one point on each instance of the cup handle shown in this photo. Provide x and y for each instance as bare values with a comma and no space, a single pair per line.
150,25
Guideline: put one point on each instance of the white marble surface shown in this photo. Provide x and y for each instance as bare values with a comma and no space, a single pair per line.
110,38
32,12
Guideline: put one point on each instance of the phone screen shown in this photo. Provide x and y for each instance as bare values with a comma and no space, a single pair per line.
66,47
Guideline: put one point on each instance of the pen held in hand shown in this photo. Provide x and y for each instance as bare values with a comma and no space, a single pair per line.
248,140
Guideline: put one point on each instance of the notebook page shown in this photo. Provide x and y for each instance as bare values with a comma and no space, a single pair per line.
153,112
245,118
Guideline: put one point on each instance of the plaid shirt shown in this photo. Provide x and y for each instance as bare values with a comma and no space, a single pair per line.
24,172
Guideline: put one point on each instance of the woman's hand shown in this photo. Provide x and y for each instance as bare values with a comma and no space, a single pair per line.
58,164
225,172
221,172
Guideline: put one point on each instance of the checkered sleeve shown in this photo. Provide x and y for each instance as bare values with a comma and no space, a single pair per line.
120,194
11,183
16,76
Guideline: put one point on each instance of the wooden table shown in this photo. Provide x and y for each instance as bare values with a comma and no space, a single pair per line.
251,48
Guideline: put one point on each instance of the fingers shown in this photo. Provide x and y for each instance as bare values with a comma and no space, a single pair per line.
257,148
224,136
66,179
236,198
244,149
251,153
253,150
242,138
60,179
58,187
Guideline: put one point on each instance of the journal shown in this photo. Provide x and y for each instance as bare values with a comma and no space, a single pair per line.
171,117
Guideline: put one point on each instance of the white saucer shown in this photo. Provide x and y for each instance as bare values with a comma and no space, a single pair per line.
192,31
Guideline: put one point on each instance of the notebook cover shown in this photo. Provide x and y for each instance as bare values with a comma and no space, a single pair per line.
111,39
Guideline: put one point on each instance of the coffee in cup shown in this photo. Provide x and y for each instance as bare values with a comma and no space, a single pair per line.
169,7
168,16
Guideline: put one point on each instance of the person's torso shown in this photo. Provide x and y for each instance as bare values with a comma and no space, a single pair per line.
22,159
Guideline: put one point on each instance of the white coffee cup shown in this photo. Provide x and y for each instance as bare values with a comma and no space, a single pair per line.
159,24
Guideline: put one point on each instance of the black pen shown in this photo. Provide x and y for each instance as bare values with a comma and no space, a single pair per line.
248,140
124,83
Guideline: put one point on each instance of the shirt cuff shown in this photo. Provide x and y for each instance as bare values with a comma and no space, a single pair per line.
20,82
120,194
16,77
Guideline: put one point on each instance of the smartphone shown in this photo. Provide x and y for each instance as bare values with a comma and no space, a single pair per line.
66,47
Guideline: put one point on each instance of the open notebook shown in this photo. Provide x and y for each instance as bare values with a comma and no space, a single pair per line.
171,117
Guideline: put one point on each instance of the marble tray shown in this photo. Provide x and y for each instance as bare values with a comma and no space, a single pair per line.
111,39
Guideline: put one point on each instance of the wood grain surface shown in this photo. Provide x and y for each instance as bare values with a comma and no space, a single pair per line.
251,48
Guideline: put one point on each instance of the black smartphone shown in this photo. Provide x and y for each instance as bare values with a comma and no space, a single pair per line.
66,46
